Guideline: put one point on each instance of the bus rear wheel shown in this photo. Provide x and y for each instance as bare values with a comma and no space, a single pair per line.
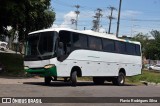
120,80
73,78
47,80
98,80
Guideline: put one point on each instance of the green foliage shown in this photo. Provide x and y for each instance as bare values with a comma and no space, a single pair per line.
25,15
153,47
143,39
11,62
150,47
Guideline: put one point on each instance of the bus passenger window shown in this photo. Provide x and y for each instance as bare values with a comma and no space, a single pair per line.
108,45
131,49
65,38
95,43
138,52
79,40
121,47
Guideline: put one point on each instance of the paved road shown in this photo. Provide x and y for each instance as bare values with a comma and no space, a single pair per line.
34,87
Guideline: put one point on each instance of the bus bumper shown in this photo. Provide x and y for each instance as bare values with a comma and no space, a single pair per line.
43,71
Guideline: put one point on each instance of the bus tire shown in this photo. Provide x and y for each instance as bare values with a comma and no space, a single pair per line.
74,78
47,80
98,80
120,80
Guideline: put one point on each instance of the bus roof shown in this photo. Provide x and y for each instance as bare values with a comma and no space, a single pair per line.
88,32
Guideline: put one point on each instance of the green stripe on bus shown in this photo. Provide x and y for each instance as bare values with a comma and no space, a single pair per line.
43,72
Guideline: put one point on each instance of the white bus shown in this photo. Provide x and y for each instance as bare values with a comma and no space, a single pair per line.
67,53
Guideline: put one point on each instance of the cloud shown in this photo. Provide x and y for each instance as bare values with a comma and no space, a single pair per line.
67,20
84,19
55,26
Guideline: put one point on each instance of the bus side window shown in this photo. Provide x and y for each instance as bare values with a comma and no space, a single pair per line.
120,47
131,49
108,45
138,53
95,43
79,40
65,37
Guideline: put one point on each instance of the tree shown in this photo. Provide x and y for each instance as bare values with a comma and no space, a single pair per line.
150,47
25,16
153,47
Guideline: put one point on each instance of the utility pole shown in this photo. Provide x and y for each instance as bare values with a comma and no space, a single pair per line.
110,17
119,13
96,22
77,13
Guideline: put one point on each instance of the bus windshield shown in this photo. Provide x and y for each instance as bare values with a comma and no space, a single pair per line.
40,45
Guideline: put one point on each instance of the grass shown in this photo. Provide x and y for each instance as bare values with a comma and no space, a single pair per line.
13,63
149,76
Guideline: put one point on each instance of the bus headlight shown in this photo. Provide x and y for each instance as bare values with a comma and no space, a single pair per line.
26,67
49,66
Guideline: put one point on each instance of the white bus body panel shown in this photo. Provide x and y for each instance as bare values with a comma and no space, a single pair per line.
95,63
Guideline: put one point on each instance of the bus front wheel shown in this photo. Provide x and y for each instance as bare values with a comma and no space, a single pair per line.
74,78
47,80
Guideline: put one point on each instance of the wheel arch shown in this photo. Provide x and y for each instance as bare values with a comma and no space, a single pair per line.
123,71
78,70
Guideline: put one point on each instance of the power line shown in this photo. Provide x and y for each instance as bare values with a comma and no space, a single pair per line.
142,20
96,21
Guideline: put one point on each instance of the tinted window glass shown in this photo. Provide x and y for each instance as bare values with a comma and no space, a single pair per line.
120,47
32,44
131,49
108,45
138,50
65,37
79,40
46,43
95,43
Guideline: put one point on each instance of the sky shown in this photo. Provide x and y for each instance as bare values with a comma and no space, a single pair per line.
136,15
